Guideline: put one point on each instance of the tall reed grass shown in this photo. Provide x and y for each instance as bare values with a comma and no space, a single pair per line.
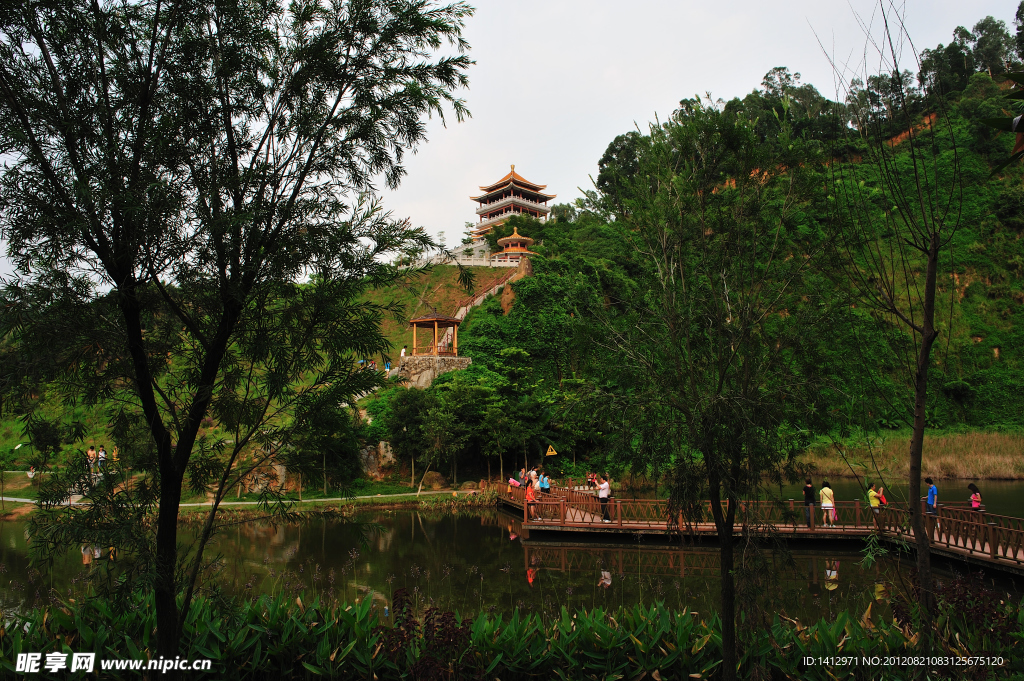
987,456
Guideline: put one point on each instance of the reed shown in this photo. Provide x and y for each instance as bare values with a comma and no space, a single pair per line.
983,456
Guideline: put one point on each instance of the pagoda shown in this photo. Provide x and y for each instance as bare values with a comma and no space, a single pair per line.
514,246
511,195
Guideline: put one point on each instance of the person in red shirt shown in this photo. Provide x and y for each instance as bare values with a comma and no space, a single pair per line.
531,497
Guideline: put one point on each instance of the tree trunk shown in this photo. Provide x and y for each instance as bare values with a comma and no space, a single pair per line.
724,524
917,520
300,486
165,588
421,480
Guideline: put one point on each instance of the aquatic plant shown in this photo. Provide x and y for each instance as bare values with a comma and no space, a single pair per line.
283,637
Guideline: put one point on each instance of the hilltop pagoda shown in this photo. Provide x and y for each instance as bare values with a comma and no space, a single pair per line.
511,195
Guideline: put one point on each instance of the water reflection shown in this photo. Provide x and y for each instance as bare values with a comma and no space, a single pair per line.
470,562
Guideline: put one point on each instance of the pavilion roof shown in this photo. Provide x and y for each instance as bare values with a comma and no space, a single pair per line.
515,236
439,318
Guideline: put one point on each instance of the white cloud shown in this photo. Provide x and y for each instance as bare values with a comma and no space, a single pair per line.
556,81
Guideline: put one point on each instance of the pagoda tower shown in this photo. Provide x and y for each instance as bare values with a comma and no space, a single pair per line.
511,195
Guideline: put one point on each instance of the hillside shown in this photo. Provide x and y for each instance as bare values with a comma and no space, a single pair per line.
438,289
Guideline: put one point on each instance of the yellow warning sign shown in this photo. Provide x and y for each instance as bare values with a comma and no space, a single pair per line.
551,451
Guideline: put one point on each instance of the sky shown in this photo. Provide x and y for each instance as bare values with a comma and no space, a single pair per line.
556,81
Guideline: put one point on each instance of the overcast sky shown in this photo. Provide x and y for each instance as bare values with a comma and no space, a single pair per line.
556,80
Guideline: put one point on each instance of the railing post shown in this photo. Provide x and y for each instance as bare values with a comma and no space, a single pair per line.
856,506
810,514
526,510
618,511
792,511
993,544
561,512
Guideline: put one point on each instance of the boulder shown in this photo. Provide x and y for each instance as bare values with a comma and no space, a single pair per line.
469,484
434,480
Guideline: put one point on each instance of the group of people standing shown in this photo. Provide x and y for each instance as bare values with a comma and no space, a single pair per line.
828,503
536,482
876,500
96,460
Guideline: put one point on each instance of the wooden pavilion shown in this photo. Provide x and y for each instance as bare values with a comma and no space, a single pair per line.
442,342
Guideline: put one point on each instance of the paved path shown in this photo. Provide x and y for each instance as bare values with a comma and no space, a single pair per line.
382,497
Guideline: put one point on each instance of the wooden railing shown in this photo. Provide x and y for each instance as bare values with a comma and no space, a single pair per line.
974,533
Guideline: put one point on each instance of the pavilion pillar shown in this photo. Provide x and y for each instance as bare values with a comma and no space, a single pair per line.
435,337
414,339
455,334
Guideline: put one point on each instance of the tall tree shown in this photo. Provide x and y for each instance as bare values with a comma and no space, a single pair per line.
174,169
896,214
716,352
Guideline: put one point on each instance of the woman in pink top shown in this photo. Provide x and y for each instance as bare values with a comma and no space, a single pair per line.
975,496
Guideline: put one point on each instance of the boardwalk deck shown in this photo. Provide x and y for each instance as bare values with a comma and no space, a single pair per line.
956,532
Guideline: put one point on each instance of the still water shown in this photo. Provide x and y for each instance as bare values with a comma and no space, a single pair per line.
478,562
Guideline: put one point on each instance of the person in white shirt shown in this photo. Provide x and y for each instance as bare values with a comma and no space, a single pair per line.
604,491
403,350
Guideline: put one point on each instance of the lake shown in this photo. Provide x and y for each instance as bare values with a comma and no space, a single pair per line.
476,562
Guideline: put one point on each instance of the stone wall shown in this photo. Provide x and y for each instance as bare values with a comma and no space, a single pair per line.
421,370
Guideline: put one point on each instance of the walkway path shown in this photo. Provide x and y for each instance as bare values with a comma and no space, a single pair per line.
958,531
382,497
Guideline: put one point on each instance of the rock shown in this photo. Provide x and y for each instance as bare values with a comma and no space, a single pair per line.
508,296
374,461
469,484
421,370
434,480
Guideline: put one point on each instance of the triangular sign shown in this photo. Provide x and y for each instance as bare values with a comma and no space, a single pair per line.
551,451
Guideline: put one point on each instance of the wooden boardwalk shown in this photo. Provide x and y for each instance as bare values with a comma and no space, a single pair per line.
957,531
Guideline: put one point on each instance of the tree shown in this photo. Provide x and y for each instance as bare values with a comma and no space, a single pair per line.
175,169
716,352
895,215
993,45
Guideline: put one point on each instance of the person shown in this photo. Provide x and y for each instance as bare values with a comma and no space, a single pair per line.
808,501
606,579
828,504
932,500
604,492
387,367
90,457
403,350
975,496
545,483
101,459
873,500
831,574
531,499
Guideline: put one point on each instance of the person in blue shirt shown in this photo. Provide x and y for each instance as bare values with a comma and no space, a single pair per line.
932,501
545,483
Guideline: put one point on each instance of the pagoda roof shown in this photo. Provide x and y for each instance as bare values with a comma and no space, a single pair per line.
513,178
